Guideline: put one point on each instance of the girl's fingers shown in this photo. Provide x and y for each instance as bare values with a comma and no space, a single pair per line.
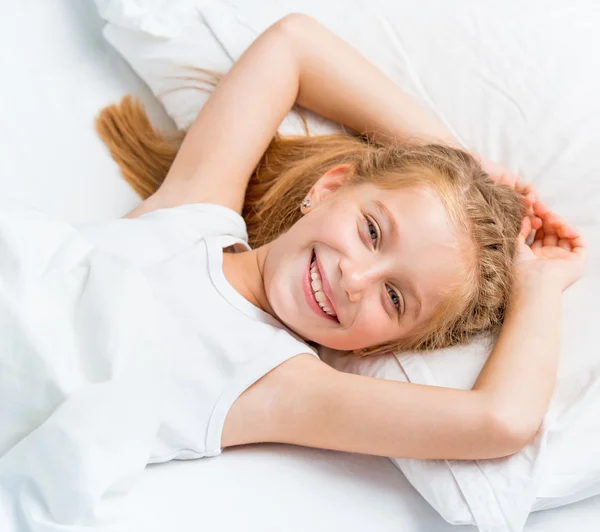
565,243
565,231
561,227
528,192
537,244
551,239
538,239
541,219
578,244
553,224
540,209
539,234
548,226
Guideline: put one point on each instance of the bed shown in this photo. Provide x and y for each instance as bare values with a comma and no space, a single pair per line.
58,72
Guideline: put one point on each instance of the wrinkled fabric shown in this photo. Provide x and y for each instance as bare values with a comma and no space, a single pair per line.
79,360
117,352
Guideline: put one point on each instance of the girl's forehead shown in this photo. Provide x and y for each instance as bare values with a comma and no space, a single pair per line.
412,201
369,190
420,231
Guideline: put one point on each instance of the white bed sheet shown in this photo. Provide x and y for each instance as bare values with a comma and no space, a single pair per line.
279,488
57,72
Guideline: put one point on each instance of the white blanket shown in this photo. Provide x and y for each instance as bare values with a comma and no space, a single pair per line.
79,348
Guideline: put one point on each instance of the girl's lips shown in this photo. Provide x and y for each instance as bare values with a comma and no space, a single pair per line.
308,293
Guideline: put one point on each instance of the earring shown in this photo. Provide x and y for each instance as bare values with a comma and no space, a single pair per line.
306,203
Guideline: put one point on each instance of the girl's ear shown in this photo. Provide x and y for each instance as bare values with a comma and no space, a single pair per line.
328,183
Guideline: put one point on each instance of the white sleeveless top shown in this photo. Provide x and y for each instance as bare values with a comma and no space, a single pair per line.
217,343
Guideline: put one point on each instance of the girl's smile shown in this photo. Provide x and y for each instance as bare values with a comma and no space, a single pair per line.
315,282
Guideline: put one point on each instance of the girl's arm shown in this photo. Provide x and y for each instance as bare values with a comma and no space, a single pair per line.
520,373
336,81
305,402
294,61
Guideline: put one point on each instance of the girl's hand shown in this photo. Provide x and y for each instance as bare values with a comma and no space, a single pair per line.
537,213
532,220
553,253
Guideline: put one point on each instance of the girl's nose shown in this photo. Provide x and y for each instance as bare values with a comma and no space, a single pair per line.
356,277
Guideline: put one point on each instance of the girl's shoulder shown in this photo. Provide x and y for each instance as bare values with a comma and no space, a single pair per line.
160,233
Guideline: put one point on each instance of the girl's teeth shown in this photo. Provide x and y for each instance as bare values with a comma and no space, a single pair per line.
317,289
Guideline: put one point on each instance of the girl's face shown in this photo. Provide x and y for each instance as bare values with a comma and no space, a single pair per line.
381,261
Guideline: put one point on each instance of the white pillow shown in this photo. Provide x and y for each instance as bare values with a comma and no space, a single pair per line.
518,85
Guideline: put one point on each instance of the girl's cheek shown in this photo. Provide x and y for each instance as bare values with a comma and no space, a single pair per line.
373,326
363,327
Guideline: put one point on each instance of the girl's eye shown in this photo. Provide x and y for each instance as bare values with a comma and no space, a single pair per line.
394,297
373,235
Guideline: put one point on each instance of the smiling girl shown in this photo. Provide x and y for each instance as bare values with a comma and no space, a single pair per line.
396,239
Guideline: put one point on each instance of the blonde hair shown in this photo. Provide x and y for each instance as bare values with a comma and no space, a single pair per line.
489,215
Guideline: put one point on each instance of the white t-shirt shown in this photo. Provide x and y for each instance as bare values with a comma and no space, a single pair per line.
218,342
